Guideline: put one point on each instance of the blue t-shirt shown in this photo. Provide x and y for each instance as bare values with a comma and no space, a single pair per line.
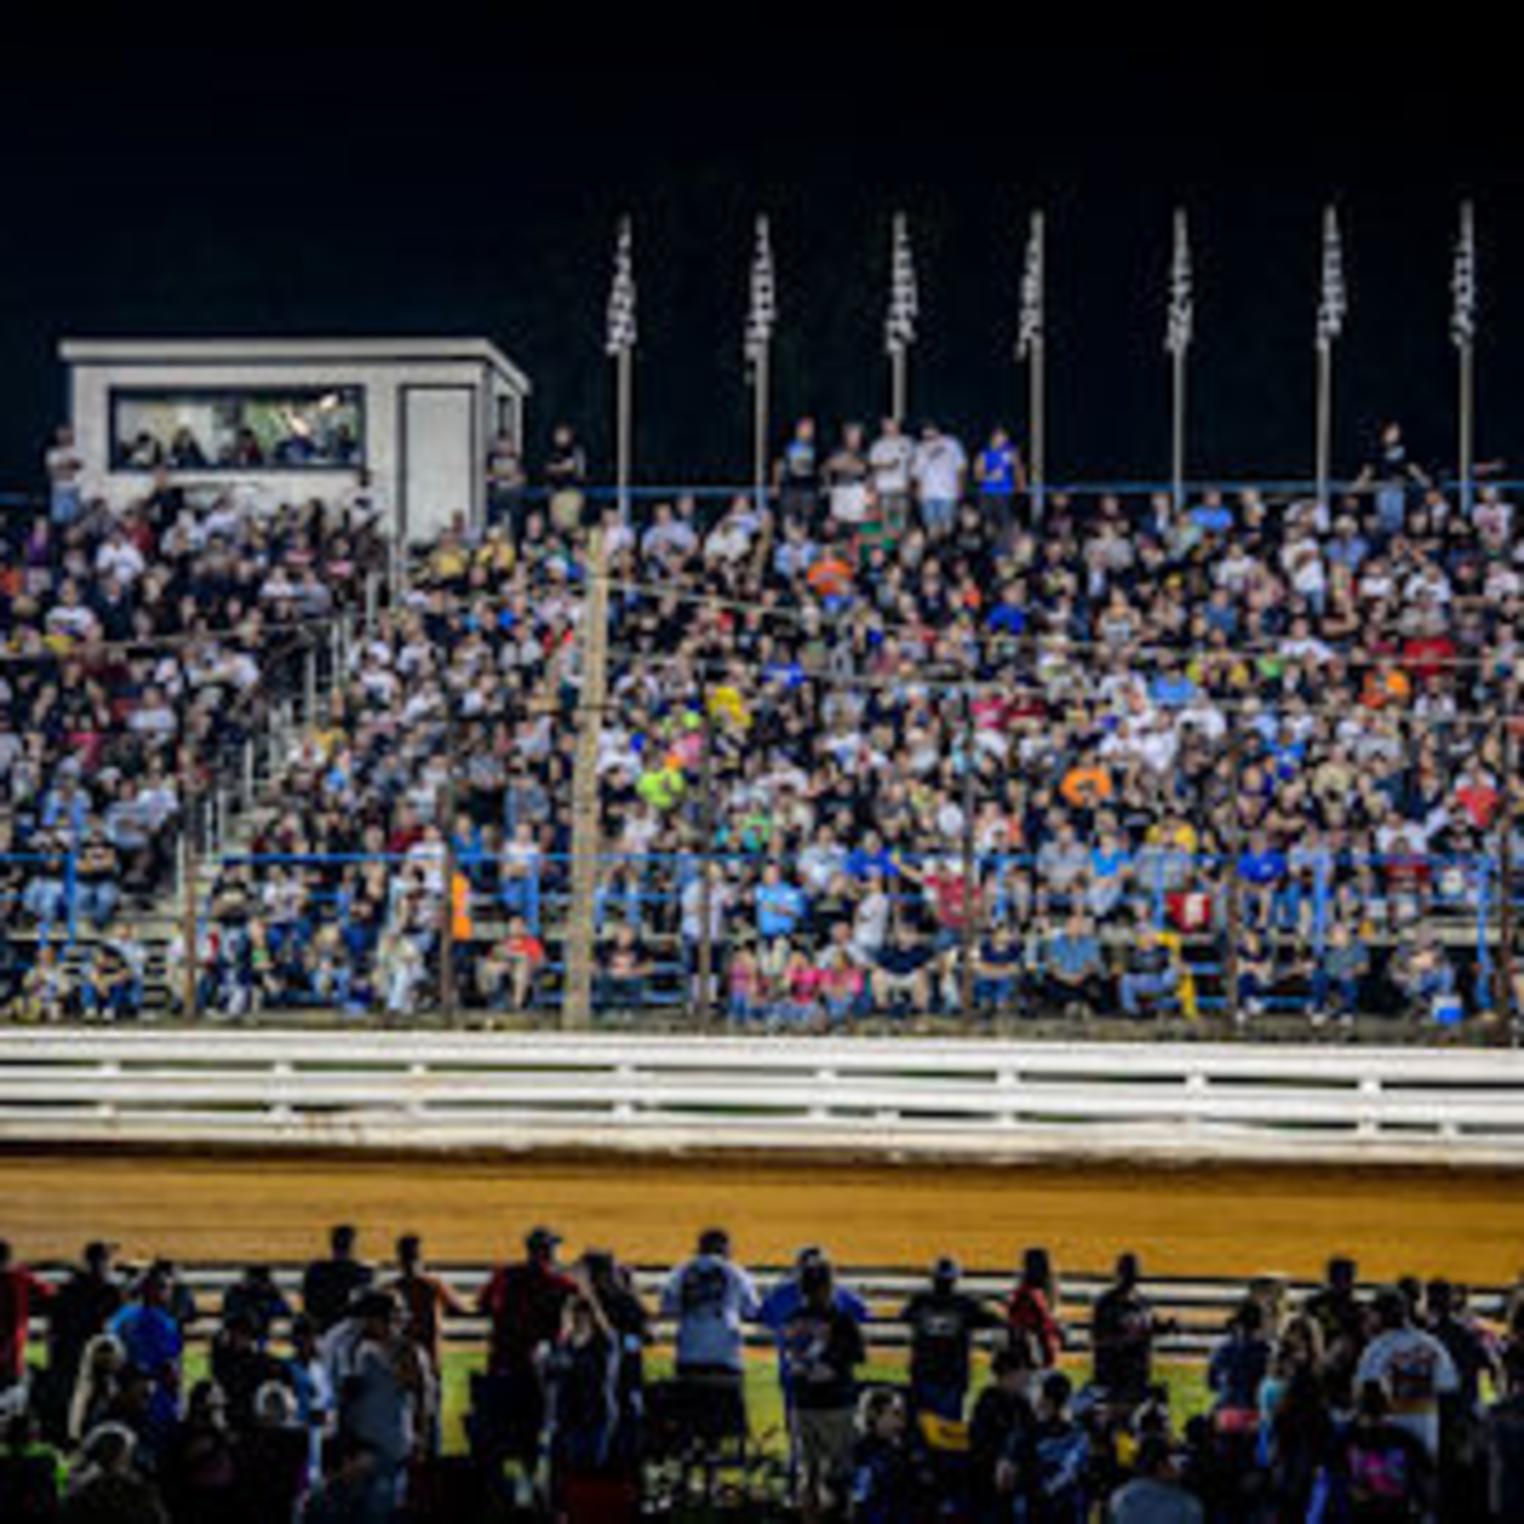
780,908
997,471
781,1304
711,1299
1262,867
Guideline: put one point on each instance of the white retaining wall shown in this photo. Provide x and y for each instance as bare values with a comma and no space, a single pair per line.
882,1097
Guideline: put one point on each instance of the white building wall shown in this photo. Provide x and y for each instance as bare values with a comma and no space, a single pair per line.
382,382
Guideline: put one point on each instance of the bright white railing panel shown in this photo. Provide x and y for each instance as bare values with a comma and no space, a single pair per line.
871,1096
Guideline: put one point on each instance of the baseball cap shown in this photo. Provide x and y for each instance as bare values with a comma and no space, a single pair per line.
541,1240
946,1269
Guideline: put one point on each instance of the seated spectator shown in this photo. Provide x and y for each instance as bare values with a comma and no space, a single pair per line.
1151,978
900,979
1074,967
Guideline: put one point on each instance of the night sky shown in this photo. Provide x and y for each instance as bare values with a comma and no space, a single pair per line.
282,192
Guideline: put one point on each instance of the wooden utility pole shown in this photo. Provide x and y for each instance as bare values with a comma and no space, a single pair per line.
704,1005
1505,881
445,805
1234,845
577,994
190,972
971,898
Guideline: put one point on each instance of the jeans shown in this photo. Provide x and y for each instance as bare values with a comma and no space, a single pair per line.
65,502
1392,509
1139,987
98,901
943,1398
43,899
995,992
937,514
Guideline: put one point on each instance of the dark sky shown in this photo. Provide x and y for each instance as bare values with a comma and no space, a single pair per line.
407,191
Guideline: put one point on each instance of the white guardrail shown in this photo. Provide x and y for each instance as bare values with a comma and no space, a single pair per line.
874,1096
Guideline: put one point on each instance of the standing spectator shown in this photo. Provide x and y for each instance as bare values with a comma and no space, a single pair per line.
711,1298
329,1285
153,1342
796,476
377,1400
426,1299
1000,474
1412,1370
87,1300
1238,1368
64,466
942,1322
937,469
823,1347
524,1302
565,477
889,473
783,1301
1032,1312
1123,1327
20,1292
255,1296
588,1448
846,479
306,1374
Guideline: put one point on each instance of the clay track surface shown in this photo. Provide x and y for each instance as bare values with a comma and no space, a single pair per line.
1228,1221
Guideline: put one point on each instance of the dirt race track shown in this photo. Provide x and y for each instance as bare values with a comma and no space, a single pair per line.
1197,1221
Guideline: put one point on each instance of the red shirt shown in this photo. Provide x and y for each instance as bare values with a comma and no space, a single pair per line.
524,1302
1028,1312
18,1289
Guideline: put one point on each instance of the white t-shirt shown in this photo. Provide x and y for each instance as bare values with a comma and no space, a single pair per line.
938,467
1416,1371
889,464
64,463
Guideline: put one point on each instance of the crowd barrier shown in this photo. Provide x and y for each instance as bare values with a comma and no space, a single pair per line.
869,1097
1198,1307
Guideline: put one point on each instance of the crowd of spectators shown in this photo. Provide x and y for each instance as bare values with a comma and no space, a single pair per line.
1141,725
1405,1405
138,646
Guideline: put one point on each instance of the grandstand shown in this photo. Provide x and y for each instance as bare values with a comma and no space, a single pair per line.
1243,768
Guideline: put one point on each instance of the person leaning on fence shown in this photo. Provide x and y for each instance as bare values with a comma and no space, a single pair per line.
943,1322
712,1300
524,1302
329,1284
1123,1328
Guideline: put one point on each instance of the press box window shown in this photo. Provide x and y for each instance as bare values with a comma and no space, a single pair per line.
308,430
